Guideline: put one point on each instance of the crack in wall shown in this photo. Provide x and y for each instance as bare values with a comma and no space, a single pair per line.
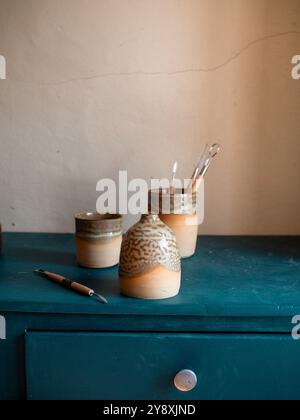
228,61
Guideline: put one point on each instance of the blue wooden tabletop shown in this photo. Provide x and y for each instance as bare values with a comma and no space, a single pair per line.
229,276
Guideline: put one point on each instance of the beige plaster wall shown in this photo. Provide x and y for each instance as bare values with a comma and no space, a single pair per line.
94,86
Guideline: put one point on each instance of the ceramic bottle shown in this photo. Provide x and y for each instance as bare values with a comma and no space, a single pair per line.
150,266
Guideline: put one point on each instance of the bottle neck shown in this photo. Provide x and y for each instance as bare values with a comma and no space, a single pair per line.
150,218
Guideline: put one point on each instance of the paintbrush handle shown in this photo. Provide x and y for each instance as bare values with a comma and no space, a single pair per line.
68,284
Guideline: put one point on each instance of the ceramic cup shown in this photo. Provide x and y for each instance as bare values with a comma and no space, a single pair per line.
98,239
178,210
150,266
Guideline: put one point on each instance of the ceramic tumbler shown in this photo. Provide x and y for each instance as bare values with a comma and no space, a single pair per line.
178,210
98,239
150,266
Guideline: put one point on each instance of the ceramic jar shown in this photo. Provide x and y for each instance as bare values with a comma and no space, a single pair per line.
98,239
150,266
178,210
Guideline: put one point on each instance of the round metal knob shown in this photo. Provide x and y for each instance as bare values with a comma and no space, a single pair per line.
185,380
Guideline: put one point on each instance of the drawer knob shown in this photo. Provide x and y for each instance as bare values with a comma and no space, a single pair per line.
185,380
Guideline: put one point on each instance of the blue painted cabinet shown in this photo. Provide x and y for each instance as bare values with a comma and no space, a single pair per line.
231,325
109,366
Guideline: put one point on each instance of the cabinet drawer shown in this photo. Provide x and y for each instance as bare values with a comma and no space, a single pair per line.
97,366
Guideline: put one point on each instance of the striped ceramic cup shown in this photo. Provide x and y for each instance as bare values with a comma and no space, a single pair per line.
98,239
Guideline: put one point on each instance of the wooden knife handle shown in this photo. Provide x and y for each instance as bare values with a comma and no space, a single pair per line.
69,284
79,288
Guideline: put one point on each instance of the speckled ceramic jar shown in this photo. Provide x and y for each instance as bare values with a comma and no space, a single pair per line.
98,239
150,266
179,211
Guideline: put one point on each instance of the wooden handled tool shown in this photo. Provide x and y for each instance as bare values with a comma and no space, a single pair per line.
71,285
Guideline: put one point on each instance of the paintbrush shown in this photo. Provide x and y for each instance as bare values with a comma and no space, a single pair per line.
175,167
71,285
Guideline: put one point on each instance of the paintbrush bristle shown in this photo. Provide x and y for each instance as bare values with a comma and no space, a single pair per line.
175,167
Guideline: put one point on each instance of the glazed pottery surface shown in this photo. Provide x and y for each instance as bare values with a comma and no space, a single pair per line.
185,228
159,283
178,211
98,240
150,266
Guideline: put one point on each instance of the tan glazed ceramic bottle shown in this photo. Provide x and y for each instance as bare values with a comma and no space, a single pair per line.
150,266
